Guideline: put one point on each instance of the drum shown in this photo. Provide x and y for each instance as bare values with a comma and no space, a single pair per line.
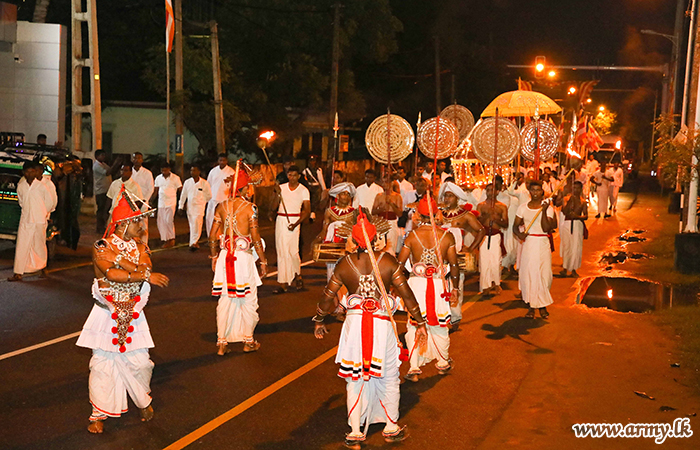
329,252
467,262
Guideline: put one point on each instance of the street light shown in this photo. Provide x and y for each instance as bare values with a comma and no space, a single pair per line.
670,37
588,100
572,90
601,108
552,74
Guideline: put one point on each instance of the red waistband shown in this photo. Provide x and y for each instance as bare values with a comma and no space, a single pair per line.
288,215
539,235
359,309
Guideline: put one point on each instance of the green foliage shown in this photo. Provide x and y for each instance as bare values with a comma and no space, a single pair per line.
674,149
604,122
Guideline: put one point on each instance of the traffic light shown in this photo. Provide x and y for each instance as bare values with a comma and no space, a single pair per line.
540,65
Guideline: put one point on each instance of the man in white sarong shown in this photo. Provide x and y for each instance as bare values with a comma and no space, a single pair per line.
389,205
462,222
116,329
368,351
293,208
573,230
195,193
601,180
235,245
144,178
534,223
167,185
366,192
493,215
618,178
217,182
37,203
435,288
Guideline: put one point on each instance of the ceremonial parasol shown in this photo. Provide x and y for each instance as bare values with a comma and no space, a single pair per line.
547,138
461,117
389,138
521,104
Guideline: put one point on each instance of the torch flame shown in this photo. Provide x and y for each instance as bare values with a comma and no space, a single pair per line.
268,135
573,153
610,293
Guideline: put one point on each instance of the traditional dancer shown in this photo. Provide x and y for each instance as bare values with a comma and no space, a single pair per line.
167,186
116,329
431,284
217,179
196,192
235,245
389,205
493,215
37,203
368,352
573,230
534,223
466,229
294,208
335,216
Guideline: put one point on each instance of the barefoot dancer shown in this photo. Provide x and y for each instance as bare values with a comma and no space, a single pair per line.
573,230
368,352
535,265
493,215
116,330
235,245
433,297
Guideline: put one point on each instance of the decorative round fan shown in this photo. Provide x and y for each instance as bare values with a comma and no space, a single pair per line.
400,136
483,138
461,117
548,140
447,141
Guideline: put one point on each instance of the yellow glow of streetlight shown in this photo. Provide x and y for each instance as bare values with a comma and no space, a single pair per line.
588,100
601,108
572,90
539,67
552,74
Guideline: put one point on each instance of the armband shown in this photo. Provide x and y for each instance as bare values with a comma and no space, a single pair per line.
320,315
217,219
118,259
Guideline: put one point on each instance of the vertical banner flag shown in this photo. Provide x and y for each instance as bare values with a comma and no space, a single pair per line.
169,25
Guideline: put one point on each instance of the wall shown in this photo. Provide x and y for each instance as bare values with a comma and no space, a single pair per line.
32,82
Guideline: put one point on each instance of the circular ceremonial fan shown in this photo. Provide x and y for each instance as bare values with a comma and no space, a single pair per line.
447,141
483,137
400,136
461,117
548,140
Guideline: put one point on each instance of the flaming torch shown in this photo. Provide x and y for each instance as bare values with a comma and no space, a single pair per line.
263,141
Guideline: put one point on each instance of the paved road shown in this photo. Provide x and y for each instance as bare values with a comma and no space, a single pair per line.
286,396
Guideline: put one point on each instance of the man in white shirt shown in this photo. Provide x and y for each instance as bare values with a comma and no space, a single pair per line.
618,178
196,192
167,185
405,186
144,178
367,192
102,179
315,183
294,208
218,184
129,184
602,183
37,204
428,172
442,170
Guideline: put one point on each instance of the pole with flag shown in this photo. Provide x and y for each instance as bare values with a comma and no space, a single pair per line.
169,35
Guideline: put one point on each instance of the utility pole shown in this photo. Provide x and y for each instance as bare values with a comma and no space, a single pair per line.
693,122
79,106
677,33
218,104
438,95
334,83
179,85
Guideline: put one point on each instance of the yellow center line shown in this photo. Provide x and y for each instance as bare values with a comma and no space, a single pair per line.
249,403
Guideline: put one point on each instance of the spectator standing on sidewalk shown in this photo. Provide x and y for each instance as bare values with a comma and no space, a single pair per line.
144,178
167,186
196,192
101,179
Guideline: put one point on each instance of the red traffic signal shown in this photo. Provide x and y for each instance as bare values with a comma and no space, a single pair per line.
540,65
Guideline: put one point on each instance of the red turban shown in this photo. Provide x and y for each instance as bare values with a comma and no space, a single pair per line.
242,181
357,234
423,209
126,209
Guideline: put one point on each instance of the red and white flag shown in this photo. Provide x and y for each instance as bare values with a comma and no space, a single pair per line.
585,90
524,85
594,139
582,132
169,25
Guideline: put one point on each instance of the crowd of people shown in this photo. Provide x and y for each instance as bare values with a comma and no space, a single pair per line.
402,244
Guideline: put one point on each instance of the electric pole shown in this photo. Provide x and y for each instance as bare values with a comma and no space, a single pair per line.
334,80
179,128
218,104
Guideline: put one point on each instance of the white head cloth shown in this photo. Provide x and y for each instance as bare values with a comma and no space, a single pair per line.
342,187
449,186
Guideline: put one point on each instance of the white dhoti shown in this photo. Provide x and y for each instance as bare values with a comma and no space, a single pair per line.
392,237
237,310
166,222
490,262
209,217
287,246
536,271
511,242
113,375
614,192
571,247
195,218
30,253
603,197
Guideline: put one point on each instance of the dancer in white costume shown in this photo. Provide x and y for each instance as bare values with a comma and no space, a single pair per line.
116,330
573,230
235,245
535,267
368,351
435,288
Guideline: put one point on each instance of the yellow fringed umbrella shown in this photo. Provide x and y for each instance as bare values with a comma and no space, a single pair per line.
521,104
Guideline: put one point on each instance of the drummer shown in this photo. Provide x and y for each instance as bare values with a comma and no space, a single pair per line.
334,216
459,220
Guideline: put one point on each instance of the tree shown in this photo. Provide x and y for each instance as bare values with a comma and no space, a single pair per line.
604,122
674,149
